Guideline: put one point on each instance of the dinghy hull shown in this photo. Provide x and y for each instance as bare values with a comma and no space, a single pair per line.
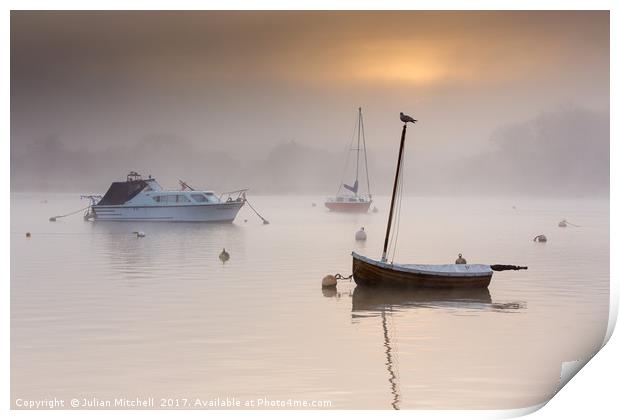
368,272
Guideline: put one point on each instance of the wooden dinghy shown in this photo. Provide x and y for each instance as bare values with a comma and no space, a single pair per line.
371,272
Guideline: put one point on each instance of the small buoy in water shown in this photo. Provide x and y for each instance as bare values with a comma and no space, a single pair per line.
224,256
245,220
140,234
329,281
27,234
375,210
514,207
265,222
360,235
540,238
562,223
313,204
52,219
460,260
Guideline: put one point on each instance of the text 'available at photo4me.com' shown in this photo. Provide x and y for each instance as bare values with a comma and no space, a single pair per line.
169,403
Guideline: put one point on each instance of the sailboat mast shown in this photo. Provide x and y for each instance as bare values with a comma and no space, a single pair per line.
389,224
365,155
357,164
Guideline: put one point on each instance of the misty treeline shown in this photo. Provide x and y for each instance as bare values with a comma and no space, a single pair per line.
563,152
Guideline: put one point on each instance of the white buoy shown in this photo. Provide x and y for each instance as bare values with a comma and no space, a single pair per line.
224,256
460,260
360,235
139,234
329,281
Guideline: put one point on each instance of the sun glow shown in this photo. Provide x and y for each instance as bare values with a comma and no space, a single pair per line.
405,62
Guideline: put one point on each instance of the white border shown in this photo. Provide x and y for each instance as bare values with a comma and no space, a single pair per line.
592,394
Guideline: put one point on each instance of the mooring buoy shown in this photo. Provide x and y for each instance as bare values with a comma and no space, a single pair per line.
27,234
540,238
360,235
224,256
329,281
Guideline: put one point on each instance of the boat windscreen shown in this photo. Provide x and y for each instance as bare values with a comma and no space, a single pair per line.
121,192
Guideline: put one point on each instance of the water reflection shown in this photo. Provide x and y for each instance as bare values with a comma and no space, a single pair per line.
172,249
369,301
390,364
384,302
379,299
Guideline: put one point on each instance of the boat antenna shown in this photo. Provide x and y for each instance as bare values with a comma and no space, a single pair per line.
404,118
365,156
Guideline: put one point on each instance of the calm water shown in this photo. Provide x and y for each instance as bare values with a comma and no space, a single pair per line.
97,312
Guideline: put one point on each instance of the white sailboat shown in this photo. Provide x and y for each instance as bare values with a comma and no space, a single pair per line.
349,198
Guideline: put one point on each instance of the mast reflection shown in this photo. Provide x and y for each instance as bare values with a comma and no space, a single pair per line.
372,302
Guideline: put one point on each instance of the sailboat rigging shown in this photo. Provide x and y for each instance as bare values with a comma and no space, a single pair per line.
348,198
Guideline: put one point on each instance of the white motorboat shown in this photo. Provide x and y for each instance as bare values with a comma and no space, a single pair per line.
138,199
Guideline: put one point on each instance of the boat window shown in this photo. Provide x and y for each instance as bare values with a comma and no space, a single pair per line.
172,198
199,198
211,198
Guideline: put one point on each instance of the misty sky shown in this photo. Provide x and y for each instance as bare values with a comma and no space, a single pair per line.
240,85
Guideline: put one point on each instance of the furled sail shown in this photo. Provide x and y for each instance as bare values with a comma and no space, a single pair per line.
353,188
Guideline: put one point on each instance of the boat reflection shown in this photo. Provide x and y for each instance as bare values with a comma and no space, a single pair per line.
367,301
385,302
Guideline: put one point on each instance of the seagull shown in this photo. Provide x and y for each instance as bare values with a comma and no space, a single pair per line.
139,234
406,118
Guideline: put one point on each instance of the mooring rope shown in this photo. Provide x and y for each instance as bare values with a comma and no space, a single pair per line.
265,221
53,218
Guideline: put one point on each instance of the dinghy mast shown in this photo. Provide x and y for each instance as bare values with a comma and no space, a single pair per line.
398,164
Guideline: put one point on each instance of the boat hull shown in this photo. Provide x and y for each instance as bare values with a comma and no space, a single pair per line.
373,273
220,212
345,207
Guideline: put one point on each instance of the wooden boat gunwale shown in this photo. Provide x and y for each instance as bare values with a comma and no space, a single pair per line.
462,269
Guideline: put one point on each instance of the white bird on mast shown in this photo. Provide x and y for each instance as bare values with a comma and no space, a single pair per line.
406,118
